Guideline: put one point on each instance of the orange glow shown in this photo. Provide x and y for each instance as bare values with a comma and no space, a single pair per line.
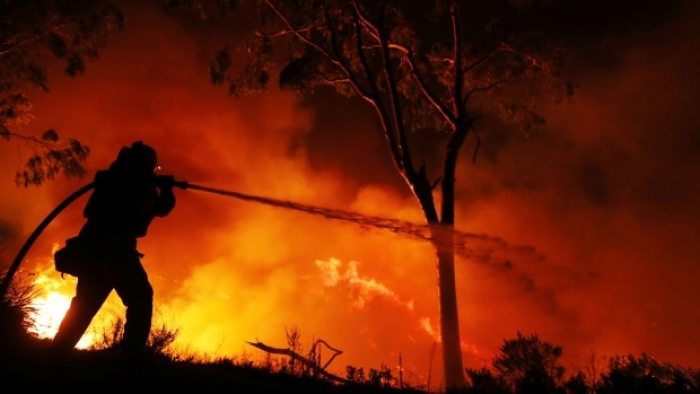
53,297
606,195
48,312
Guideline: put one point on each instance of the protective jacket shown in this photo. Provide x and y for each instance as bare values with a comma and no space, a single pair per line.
122,207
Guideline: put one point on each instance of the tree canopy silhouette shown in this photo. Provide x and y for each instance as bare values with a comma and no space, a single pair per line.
530,365
32,32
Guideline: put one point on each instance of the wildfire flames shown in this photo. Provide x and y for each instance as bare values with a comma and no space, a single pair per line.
49,306
603,194
54,293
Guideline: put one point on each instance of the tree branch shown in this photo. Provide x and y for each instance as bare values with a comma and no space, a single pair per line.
309,363
358,87
336,352
373,30
537,63
403,147
444,111
458,76
378,105
333,80
422,85
336,50
417,180
408,56
282,33
463,125
487,87
15,43
28,138
480,60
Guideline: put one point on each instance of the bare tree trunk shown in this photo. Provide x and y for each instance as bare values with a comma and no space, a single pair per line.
449,318
442,232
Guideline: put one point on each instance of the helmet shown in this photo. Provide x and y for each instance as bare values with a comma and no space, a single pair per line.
138,158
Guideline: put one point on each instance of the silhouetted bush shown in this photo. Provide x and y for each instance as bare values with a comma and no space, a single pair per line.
354,374
16,316
381,377
527,365
530,366
160,337
485,382
577,385
645,375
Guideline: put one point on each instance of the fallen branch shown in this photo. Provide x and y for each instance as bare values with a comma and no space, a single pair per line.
308,363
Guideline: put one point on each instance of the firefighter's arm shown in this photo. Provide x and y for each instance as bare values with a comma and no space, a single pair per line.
97,197
166,198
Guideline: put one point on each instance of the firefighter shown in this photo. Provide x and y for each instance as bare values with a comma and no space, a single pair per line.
126,198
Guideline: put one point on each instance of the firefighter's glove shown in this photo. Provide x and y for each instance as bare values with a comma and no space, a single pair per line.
165,181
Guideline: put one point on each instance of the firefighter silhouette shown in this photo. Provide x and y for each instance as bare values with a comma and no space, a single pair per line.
126,198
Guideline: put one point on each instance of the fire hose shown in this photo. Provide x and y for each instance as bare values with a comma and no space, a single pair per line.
411,230
77,194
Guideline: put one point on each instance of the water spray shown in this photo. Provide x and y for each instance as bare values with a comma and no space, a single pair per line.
482,247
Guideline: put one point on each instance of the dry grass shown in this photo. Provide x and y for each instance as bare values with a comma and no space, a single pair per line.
27,364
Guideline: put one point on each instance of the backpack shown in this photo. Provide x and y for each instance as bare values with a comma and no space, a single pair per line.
72,259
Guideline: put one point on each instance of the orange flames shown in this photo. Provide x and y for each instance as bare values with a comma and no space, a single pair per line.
47,313
225,272
53,297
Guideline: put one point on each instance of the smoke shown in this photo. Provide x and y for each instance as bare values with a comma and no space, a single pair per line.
603,195
7,235
606,190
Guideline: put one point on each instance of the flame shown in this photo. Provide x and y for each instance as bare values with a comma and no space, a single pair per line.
365,288
54,294
48,311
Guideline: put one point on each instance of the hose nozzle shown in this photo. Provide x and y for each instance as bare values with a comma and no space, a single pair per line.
181,184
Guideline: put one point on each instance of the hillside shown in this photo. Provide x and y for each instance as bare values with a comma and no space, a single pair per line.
28,365
33,368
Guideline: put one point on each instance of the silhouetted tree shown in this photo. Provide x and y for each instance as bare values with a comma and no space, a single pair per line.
530,365
31,31
526,365
422,66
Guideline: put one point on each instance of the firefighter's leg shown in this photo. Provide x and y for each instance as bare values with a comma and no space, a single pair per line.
137,295
90,294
